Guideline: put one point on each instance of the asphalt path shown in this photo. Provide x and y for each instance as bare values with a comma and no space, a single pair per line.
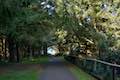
56,69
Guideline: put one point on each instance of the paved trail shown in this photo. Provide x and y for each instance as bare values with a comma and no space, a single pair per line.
56,69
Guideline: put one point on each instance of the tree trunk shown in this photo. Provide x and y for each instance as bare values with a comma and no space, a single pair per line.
17,53
2,44
11,50
30,52
39,52
33,52
5,54
71,50
45,48
1,48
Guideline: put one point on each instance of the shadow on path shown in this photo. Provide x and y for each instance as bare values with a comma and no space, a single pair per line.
56,69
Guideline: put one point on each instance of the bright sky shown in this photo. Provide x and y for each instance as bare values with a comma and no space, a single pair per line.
51,51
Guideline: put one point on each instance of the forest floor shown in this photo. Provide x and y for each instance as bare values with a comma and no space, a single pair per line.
43,68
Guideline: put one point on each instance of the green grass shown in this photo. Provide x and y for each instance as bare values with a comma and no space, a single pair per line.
80,74
39,60
20,75
30,73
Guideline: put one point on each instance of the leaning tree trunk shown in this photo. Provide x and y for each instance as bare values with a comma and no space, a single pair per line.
71,50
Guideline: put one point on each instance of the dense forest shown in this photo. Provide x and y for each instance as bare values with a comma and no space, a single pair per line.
89,28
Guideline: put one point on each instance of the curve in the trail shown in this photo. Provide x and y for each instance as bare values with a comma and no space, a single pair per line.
56,69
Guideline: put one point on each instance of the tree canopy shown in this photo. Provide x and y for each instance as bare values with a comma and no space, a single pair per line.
68,23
